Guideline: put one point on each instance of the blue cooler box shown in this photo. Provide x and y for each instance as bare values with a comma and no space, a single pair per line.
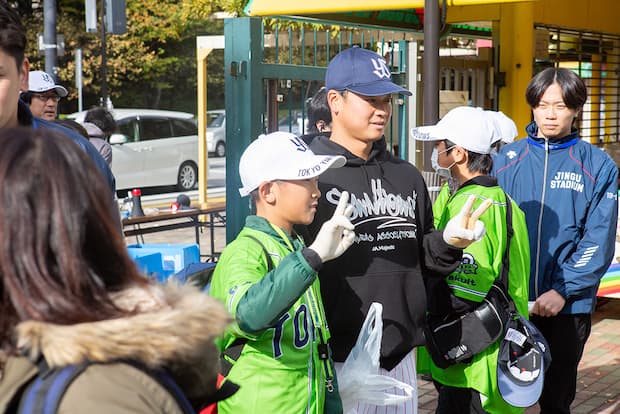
174,257
150,265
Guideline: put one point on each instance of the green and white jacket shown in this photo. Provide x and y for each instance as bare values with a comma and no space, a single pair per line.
280,314
471,281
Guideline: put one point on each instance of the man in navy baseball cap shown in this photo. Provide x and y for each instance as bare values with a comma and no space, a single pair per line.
397,242
361,71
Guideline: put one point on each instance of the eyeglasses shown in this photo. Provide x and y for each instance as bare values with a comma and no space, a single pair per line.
46,96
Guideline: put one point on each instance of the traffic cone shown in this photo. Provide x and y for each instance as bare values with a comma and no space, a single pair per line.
136,209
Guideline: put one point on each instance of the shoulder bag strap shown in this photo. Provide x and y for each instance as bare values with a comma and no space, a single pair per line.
45,392
503,276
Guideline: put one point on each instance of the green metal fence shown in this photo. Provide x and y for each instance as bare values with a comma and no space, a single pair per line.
273,66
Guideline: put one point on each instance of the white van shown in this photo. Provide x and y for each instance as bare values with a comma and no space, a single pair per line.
153,148
216,132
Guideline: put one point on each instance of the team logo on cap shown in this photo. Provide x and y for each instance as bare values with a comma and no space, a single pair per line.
299,144
381,69
46,78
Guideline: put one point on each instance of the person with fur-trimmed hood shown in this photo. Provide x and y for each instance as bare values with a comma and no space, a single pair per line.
70,293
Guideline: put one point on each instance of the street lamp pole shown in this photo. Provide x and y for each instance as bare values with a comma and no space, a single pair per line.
104,70
49,38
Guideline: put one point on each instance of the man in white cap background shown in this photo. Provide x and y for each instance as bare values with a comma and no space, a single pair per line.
396,242
463,139
43,95
15,80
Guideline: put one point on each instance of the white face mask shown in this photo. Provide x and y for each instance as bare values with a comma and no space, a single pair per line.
443,172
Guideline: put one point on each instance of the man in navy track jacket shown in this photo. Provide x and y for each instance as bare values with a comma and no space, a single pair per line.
568,191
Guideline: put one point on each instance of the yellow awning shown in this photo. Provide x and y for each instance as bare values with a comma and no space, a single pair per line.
300,8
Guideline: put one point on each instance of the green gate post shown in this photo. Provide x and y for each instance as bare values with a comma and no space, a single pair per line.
244,102
403,133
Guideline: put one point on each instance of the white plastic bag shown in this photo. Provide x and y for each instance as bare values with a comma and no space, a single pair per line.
359,380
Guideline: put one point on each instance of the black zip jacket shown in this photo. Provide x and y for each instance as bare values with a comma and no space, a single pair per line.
396,246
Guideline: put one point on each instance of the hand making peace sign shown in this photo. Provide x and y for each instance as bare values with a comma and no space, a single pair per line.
465,228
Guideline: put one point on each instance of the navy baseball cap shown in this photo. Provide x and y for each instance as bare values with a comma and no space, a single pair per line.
361,71
523,357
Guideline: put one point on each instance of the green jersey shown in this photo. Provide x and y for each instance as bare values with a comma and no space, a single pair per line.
473,278
280,315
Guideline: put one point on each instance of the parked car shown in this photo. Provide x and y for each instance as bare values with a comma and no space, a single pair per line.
293,123
153,148
216,132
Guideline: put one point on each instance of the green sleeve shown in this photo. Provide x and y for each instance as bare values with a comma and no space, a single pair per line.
254,297
266,300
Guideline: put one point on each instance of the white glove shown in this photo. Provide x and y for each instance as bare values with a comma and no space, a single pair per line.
465,228
336,234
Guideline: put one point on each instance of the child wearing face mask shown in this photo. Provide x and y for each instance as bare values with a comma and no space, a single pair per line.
462,155
504,132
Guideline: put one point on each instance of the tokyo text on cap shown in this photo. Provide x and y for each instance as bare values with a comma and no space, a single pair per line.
361,71
281,156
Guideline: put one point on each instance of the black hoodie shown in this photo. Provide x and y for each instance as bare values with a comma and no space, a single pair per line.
396,245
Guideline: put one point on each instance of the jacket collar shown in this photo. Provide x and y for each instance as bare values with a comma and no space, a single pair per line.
564,142
261,224
481,180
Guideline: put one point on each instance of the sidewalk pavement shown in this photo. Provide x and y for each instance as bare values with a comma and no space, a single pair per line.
598,381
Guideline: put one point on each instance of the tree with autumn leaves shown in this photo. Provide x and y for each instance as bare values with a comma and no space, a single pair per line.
152,65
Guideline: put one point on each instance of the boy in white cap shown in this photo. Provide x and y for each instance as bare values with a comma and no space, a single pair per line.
267,278
396,242
43,95
463,141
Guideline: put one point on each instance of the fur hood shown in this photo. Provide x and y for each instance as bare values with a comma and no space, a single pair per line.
173,327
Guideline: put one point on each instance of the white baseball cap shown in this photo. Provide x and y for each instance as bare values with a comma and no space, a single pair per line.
281,156
39,81
505,126
466,126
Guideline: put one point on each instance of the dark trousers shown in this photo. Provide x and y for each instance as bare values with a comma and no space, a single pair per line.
567,336
453,400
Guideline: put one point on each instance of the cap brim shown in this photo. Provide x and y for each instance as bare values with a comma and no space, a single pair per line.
61,91
520,395
385,87
427,133
337,162
318,165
